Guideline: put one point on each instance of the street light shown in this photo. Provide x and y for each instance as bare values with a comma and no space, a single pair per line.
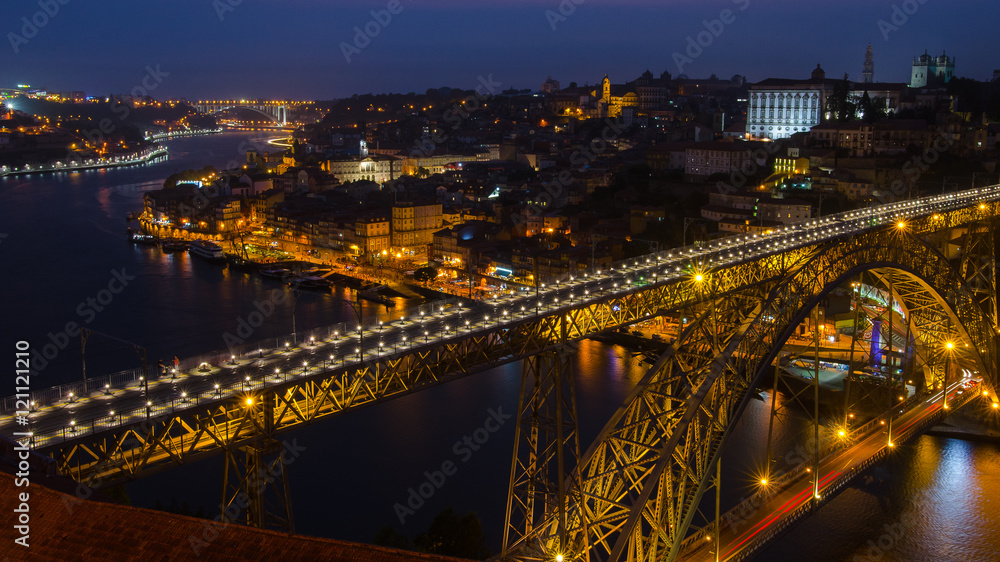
947,365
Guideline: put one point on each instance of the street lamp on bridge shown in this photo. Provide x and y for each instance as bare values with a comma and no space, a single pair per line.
949,346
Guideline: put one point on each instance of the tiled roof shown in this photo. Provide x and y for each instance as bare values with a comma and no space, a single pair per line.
66,528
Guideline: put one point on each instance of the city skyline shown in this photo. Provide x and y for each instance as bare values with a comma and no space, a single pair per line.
547,280
307,50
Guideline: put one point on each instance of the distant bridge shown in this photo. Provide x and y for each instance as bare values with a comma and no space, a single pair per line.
277,111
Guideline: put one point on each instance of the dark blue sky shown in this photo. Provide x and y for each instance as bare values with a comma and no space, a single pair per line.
291,48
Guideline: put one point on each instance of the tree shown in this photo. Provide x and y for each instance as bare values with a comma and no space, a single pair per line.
454,535
387,536
865,105
871,109
425,274
119,494
839,103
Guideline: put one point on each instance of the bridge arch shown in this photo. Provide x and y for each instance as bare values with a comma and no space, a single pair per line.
644,475
273,118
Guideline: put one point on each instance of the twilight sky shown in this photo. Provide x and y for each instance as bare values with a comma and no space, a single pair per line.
292,48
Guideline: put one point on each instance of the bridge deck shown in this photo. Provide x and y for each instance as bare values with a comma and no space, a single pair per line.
757,521
59,418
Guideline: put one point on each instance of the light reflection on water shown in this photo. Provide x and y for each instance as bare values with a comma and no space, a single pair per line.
935,499
66,233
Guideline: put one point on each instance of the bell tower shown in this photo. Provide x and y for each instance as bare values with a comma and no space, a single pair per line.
868,73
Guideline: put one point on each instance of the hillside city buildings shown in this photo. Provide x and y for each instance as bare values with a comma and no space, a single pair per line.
523,184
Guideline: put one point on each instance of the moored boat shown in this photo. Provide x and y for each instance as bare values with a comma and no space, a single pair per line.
376,297
173,245
139,238
310,283
207,249
242,263
275,273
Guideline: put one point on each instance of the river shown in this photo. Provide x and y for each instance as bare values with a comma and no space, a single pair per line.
65,243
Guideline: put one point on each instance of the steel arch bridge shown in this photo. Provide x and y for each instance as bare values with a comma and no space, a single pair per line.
275,111
637,488
634,493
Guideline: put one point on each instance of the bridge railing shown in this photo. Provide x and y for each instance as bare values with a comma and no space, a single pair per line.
838,484
48,396
778,482
71,391
697,248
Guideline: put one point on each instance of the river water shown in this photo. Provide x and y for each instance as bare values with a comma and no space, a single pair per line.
65,243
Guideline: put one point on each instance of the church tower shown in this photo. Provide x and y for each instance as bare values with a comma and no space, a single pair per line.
869,71
606,89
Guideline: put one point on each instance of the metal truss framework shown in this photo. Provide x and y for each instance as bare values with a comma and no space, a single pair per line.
546,446
644,475
255,488
125,453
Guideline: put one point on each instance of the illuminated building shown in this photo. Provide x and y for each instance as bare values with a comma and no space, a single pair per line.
378,169
414,224
928,70
780,107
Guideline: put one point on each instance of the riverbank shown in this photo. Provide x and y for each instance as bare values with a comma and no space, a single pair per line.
144,157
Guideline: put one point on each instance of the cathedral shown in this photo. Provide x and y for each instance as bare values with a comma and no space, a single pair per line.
928,70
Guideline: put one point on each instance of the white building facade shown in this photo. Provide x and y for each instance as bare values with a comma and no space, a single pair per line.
378,169
780,112
780,107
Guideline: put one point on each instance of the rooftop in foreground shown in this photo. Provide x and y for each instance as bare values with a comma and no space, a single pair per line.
64,527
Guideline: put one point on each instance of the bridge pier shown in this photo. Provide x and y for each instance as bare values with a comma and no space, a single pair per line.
255,482
546,446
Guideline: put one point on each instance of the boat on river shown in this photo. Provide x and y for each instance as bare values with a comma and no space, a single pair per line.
207,249
170,245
